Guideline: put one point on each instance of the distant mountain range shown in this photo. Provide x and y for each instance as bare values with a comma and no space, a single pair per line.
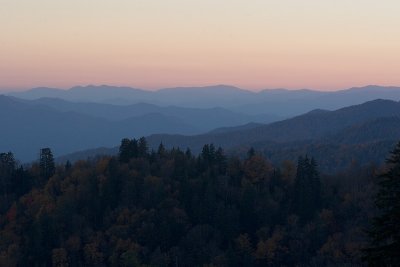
83,118
360,133
28,125
278,102
201,119
313,125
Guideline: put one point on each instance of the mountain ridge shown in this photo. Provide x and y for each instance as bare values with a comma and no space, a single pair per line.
366,133
280,102
29,125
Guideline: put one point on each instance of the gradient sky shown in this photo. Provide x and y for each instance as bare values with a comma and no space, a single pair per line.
254,44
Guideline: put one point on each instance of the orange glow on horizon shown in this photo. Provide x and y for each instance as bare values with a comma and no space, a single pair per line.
151,44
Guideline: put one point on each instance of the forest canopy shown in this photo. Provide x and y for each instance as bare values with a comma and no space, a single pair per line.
172,208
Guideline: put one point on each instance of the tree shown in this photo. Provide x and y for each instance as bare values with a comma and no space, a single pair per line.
208,153
142,147
161,150
306,189
124,150
7,169
46,163
220,158
132,149
7,160
384,246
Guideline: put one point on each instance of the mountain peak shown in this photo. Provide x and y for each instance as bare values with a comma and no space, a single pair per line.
220,87
101,87
372,87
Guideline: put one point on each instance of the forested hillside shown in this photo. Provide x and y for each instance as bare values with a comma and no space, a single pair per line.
363,133
358,134
171,208
315,125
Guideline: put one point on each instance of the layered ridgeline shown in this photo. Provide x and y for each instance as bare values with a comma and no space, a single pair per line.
357,134
280,102
67,127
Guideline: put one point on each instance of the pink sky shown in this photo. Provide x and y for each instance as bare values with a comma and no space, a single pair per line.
152,44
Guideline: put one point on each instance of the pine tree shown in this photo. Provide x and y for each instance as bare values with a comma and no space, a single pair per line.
384,247
134,148
7,168
142,147
161,150
306,189
208,153
46,163
220,160
124,150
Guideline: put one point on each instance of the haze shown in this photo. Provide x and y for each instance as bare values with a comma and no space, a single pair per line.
151,44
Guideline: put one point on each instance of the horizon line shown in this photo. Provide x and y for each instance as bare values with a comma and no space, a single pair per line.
4,90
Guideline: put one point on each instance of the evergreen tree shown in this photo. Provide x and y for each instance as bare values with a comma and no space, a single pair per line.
207,157
7,169
7,160
124,150
134,148
188,153
46,163
306,189
221,160
208,153
384,247
161,150
142,147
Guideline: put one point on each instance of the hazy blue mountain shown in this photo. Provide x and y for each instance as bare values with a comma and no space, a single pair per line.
335,100
294,102
201,119
87,154
310,126
363,133
106,94
68,126
25,128
39,92
281,102
359,133
209,96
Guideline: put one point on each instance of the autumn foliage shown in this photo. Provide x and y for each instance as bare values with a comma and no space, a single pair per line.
172,208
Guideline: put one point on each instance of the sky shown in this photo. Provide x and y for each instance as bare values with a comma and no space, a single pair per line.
252,44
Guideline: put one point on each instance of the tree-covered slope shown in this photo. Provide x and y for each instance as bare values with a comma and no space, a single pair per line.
169,208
